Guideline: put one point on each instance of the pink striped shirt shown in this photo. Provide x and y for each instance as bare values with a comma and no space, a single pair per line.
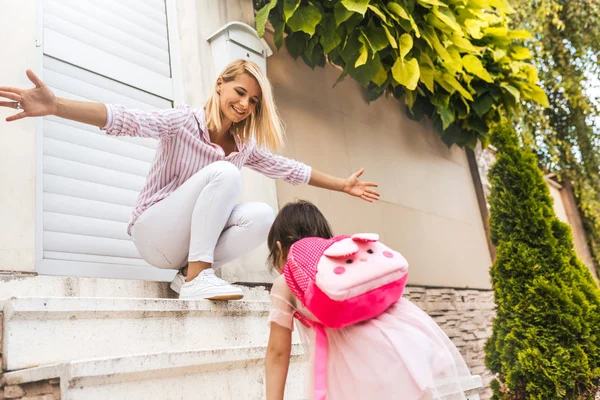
184,148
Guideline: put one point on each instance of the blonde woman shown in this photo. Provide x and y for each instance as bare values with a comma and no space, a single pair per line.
186,216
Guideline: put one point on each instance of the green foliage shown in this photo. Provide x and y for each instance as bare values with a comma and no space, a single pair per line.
545,343
455,61
566,136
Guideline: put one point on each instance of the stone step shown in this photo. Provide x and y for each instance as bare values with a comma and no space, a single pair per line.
47,330
211,374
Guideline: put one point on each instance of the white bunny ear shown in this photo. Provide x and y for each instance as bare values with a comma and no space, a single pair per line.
343,248
365,237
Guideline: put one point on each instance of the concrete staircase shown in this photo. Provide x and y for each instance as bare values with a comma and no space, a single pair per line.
229,373
73,348
129,348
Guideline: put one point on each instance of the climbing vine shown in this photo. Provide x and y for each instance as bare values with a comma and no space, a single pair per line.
455,61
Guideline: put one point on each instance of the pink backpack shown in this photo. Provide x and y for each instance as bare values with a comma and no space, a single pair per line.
342,281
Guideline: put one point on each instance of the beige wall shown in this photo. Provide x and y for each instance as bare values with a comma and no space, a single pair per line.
558,205
17,141
428,209
565,208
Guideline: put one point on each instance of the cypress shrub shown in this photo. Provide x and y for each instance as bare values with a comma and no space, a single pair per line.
545,342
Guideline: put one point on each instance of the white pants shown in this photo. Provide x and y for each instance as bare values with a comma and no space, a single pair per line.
200,221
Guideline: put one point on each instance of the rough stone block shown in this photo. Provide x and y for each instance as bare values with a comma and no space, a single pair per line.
13,392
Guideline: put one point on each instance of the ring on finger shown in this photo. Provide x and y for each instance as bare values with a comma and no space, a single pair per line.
18,105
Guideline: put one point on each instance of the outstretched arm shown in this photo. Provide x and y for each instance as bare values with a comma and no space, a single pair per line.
277,361
352,185
40,101
276,166
117,120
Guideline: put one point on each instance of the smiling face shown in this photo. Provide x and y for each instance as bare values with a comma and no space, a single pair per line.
238,98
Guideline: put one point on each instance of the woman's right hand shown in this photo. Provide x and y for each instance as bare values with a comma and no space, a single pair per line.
36,102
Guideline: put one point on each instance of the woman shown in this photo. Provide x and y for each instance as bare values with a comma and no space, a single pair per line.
186,216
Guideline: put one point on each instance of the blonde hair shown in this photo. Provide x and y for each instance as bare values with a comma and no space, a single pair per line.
264,125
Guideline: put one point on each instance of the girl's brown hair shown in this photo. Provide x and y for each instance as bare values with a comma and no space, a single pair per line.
295,221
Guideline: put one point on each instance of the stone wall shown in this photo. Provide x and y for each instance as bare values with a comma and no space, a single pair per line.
43,390
466,317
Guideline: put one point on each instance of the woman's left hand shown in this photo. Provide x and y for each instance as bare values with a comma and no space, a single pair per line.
355,187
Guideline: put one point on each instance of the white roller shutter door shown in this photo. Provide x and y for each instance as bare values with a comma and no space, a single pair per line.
109,52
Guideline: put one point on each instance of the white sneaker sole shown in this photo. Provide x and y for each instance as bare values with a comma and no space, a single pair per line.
176,284
217,297
214,295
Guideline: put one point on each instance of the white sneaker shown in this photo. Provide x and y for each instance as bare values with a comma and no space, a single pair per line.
177,282
208,286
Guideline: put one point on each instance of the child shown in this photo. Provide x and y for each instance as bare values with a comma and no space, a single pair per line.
400,354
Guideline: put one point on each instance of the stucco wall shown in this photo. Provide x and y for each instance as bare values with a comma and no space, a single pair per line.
428,209
17,140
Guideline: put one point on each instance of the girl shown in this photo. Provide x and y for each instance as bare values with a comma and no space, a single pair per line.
401,354
186,216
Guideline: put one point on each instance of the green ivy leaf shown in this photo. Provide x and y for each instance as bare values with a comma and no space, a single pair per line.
406,72
289,8
519,35
474,27
341,13
331,38
374,92
447,18
410,97
397,10
317,57
413,24
440,99
432,39
447,116
381,77
305,19
474,66
463,44
379,13
376,37
358,6
431,3
351,49
483,104
390,37
454,134
310,47
406,45
512,90
477,124
537,94
480,3
471,142
296,43
502,5
427,75
365,73
363,54
451,80
262,16
461,108
278,26
468,108
497,54
496,31
520,53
